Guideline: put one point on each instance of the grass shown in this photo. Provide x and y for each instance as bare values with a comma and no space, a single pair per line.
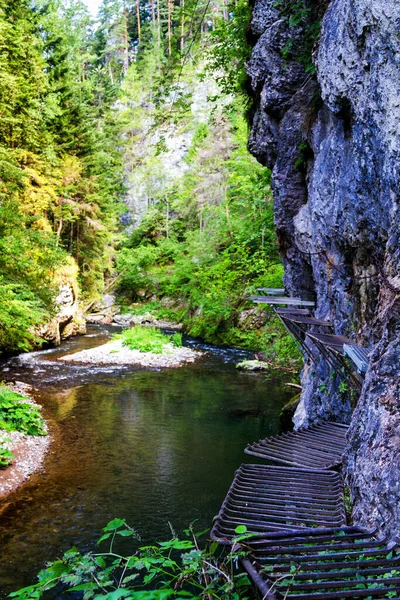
149,339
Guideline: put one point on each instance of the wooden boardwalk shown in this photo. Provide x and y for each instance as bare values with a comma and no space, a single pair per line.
305,328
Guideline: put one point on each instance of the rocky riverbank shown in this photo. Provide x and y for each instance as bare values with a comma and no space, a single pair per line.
114,353
28,450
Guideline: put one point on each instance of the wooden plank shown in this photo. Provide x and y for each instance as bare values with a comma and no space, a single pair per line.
272,291
306,320
281,300
293,311
273,298
335,342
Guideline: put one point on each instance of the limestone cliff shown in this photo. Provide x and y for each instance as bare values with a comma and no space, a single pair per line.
332,139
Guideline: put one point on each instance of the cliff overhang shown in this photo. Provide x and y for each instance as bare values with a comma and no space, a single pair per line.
330,134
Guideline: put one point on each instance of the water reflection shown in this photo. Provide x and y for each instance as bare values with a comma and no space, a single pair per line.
150,446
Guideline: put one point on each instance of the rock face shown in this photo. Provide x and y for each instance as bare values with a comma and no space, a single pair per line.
69,319
333,143
168,162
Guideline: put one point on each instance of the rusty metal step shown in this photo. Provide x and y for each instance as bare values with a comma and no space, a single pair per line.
318,447
349,562
267,498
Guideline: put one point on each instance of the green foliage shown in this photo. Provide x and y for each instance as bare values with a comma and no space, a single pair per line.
20,311
304,22
17,415
305,152
6,456
59,164
176,340
149,339
208,237
176,568
228,48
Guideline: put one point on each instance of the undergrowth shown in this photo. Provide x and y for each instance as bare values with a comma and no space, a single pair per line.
16,415
176,568
148,339
279,347
6,456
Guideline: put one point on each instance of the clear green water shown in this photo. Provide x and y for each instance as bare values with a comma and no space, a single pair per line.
149,446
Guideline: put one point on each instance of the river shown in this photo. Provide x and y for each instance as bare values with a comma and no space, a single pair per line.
154,447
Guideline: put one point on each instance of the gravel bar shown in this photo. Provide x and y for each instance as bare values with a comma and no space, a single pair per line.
114,353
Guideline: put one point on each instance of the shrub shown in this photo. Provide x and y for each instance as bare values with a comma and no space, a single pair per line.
17,415
148,339
172,569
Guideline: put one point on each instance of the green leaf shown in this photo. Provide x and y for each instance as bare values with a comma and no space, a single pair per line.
114,595
114,524
241,529
104,537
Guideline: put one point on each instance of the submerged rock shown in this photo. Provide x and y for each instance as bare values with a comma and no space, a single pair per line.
253,365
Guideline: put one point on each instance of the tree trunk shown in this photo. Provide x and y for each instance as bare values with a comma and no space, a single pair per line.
170,9
110,72
126,43
139,26
182,25
77,243
58,235
158,25
225,10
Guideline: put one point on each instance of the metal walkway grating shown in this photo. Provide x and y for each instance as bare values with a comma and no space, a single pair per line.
359,356
324,564
266,498
318,447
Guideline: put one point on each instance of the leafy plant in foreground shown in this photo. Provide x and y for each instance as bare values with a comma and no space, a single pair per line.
176,568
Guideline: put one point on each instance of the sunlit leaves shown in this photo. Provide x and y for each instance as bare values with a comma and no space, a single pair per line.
177,568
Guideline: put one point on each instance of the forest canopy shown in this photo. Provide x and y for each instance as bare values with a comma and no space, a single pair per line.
89,112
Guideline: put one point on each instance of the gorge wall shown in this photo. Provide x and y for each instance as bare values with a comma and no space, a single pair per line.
332,139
